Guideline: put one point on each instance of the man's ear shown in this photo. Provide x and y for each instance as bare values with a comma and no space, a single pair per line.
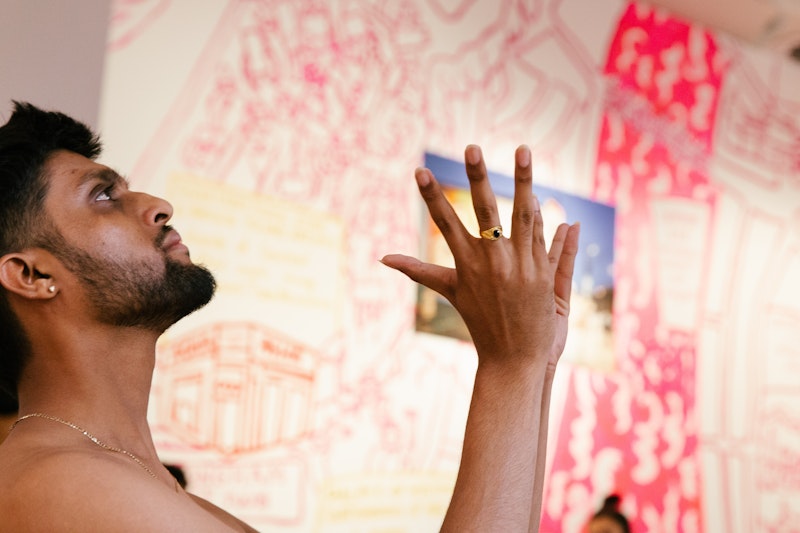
27,274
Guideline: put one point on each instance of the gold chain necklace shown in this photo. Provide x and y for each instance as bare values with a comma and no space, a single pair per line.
87,435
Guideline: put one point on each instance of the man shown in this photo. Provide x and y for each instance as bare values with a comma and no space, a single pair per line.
91,275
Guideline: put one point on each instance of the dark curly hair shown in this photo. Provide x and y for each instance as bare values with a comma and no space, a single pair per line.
27,140
611,510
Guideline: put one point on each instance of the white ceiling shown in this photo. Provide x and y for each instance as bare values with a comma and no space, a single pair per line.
772,24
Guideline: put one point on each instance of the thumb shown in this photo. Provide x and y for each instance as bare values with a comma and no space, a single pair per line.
435,277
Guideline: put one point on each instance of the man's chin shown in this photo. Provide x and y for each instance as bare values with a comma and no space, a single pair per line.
193,284
184,289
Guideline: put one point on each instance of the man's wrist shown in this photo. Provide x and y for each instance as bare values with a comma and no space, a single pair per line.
515,368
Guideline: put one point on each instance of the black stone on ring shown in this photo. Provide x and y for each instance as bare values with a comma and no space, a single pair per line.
492,234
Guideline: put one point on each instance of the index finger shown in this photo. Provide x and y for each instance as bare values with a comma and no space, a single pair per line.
440,210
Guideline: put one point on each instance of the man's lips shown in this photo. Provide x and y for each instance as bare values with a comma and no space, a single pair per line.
172,241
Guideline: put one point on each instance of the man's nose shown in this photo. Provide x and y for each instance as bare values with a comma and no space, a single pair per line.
156,211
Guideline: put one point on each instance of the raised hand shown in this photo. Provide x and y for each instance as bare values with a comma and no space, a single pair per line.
513,295
511,292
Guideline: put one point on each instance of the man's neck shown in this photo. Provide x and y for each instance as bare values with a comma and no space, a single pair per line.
103,386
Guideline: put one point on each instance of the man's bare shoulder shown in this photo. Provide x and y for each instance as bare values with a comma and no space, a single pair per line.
223,515
61,488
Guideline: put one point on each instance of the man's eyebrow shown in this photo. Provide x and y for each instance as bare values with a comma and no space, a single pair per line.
106,175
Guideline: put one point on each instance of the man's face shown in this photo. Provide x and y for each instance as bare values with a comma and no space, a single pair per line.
133,267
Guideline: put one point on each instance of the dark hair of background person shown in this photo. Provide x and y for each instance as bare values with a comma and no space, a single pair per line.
610,510
8,404
9,408
178,473
27,140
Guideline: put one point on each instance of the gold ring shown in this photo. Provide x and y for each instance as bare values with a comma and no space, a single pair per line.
492,233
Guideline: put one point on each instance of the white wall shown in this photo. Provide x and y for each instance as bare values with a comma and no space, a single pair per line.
52,53
172,114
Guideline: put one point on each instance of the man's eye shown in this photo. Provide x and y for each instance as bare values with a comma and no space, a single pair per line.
104,195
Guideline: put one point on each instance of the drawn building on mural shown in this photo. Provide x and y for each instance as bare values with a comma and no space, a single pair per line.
237,387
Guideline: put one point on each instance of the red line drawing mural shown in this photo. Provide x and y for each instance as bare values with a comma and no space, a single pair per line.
302,123
237,387
131,18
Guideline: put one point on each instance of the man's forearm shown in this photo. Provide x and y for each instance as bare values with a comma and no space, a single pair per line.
496,476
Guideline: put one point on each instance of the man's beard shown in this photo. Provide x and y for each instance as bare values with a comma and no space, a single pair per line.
138,294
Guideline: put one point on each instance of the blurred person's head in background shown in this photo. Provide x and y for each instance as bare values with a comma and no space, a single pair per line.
609,519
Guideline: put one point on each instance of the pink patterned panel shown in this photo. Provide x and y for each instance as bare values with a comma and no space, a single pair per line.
639,425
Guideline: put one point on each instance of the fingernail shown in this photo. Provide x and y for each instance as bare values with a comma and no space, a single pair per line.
422,176
524,156
473,154
536,203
